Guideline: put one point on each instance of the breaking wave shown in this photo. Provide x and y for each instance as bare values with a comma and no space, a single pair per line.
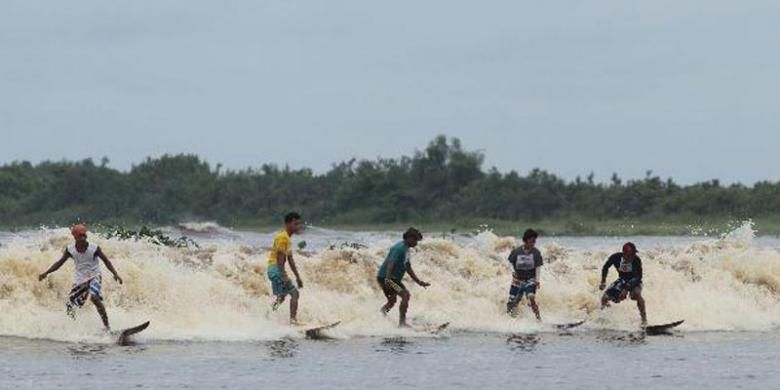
220,292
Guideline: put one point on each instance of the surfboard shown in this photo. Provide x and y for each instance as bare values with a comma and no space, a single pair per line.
570,325
124,335
662,329
316,332
432,329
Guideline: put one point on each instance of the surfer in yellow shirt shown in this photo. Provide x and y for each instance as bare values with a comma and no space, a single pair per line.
281,254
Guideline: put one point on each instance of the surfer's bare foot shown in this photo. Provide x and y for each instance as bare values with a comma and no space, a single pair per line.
644,323
275,305
294,322
404,325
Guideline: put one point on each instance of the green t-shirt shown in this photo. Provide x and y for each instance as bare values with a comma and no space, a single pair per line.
399,257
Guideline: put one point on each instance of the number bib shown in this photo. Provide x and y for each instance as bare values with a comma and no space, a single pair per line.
525,262
626,266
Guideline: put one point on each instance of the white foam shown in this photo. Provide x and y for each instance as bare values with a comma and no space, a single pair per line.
220,292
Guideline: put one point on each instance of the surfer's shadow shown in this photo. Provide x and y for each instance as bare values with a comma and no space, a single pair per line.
395,345
635,339
523,342
282,349
87,351
133,348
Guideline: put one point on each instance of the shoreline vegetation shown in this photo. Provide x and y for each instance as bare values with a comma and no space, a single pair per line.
594,228
443,188
713,229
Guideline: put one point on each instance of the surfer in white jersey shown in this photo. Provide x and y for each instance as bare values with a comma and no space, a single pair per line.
87,278
526,263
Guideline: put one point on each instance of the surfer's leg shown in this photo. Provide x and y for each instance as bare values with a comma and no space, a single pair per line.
391,299
529,289
405,297
294,306
534,306
514,299
604,301
612,293
636,295
390,295
101,310
277,302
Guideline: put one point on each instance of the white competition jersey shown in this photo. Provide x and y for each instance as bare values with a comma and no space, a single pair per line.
87,263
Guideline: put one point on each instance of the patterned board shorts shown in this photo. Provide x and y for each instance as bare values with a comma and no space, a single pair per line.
617,287
80,292
392,287
519,288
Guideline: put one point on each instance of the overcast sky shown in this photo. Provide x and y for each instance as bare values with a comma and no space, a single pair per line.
690,90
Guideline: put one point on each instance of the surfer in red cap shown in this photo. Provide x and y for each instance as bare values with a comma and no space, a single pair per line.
629,282
87,277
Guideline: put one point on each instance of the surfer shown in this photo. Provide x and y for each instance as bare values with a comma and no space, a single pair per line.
87,278
392,271
526,263
281,254
629,282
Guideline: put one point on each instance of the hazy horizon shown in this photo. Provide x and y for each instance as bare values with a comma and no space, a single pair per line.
685,89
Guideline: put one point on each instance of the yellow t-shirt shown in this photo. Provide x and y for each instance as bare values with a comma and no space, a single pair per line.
282,244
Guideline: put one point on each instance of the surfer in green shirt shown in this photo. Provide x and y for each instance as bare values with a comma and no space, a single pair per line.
392,272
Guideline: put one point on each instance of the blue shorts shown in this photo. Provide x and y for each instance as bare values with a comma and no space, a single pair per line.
520,288
278,285
619,285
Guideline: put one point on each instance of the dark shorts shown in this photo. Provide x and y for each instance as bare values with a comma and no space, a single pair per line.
619,285
520,288
392,287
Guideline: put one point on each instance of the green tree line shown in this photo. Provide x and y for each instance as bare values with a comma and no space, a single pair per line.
443,182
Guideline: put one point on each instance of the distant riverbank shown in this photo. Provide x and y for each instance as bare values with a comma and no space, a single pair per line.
551,227
712,228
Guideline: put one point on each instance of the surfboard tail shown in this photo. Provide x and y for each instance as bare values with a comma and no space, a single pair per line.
125,335
663,328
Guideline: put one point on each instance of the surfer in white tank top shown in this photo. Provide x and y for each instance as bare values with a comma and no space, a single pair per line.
87,263
87,277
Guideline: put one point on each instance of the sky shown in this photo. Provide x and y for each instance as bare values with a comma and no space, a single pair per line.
689,90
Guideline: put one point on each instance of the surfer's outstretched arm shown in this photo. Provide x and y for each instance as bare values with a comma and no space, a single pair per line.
99,253
639,269
294,269
604,273
414,277
390,266
538,276
603,284
54,267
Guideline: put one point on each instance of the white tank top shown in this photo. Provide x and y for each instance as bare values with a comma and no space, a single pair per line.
87,263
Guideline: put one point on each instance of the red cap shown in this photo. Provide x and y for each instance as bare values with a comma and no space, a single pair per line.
77,230
629,247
